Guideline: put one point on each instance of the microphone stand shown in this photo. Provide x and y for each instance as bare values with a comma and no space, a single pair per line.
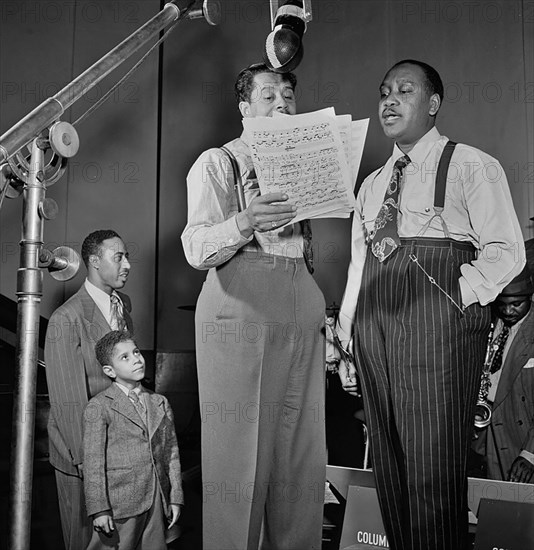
41,131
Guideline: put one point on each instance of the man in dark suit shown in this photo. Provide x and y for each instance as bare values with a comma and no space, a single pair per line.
73,373
507,443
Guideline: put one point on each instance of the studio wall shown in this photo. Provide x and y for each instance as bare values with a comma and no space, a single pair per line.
136,150
112,181
482,50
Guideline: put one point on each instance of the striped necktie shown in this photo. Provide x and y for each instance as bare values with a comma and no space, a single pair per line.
117,318
386,236
138,404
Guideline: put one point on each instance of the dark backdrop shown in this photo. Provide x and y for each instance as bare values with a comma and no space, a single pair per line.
136,150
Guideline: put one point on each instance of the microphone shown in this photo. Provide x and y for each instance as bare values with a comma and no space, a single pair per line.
283,48
62,263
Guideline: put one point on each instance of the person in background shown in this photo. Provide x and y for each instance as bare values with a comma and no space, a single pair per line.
507,443
73,374
259,345
428,254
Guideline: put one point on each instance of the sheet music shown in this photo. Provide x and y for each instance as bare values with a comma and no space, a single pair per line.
304,156
358,135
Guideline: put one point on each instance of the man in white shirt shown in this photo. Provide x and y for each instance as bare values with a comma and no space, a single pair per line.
73,373
424,262
259,345
507,443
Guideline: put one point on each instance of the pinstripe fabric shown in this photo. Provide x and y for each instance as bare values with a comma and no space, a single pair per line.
420,361
511,428
76,526
73,376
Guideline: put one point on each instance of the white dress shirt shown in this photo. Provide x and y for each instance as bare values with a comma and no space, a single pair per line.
103,302
478,209
137,390
211,236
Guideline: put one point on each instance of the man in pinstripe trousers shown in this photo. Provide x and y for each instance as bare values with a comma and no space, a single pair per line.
426,259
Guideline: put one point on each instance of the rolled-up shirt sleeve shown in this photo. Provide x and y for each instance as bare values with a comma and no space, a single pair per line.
494,222
211,236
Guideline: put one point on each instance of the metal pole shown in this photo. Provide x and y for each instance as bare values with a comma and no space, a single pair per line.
52,108
29,276
29,292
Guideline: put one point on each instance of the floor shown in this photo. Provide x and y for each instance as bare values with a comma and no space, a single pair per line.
46,528
344,440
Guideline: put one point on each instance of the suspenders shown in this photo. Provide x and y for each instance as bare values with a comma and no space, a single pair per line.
440,186
439,202
238,182
441,175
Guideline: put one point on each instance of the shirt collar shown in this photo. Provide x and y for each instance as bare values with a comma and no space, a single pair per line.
98,295
137,389
513,328
421,149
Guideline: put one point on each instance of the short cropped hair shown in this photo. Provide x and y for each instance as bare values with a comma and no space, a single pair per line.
106,345
433,82
92,243
245,80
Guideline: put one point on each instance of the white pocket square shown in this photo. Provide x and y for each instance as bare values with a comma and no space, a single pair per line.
529,364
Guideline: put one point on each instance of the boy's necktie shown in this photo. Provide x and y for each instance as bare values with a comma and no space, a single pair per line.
496,364
138,404
386,235
117,318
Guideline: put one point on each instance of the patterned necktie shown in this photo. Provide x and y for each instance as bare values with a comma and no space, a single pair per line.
117,319
496,364
138,404
308,247
386,236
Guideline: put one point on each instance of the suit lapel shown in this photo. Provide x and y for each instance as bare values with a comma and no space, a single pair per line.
92,313
127,306
155,410
516,358
122,404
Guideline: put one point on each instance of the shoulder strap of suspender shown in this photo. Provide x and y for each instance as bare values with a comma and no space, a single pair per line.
441,175
238,181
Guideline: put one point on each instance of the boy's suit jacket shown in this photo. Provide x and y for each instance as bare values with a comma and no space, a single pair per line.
73,374
122,457
512,421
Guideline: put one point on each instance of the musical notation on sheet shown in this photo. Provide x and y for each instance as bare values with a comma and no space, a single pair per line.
313,158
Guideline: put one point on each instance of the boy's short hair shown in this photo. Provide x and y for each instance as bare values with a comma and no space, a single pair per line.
105,346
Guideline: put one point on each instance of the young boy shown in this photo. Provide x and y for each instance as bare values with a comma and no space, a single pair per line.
131,465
